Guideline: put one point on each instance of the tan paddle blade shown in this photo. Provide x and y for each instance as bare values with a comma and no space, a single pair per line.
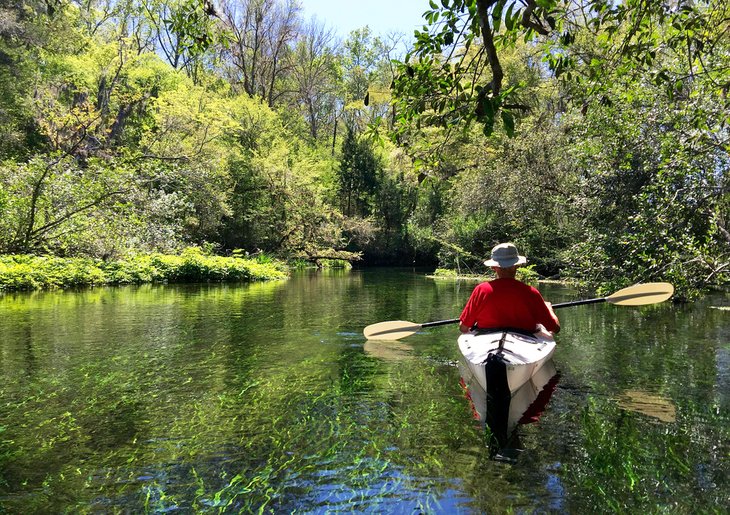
393,330
641,294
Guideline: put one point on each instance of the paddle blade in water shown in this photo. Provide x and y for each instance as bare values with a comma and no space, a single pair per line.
392,330
641,294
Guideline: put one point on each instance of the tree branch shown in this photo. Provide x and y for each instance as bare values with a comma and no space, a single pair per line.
69,214
483,7
527,22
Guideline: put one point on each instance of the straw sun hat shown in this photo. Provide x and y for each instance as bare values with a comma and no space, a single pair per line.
505,255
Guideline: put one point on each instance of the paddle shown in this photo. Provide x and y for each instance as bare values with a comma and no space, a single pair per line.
637,295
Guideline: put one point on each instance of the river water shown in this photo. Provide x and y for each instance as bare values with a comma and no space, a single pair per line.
267,398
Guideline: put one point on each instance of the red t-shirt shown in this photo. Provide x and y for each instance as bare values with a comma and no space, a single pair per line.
503,303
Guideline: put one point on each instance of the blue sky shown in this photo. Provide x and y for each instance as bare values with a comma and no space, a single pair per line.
382,16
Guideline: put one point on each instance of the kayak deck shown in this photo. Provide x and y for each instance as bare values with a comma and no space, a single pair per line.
522,355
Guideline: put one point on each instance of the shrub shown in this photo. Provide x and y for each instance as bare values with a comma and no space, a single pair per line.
29,272
527,274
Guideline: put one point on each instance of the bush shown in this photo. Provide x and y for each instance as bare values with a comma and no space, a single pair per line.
445,273
29,272
335,263
527,274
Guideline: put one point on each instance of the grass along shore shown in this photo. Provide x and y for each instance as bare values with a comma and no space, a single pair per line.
31,272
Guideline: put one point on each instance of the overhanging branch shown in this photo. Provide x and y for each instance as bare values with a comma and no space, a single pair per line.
483,7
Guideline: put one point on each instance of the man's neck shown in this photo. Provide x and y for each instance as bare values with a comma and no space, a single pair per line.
505,273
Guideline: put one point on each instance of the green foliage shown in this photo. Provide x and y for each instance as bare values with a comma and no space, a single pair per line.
528,274
445,82
627,187
152,161
609,169
190,21
445,273
335,263
28,272
654,199
300,264
56,205
394,200
451,77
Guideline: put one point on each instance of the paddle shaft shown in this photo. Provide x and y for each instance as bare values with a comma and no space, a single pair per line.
440,322
579,302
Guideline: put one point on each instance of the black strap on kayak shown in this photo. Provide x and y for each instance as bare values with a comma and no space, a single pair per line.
501,341
523,332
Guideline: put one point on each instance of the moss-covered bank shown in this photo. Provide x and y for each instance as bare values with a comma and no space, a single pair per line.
30,272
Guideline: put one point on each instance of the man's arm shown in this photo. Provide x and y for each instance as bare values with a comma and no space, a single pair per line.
549,306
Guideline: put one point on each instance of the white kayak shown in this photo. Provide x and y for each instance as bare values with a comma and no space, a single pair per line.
518,355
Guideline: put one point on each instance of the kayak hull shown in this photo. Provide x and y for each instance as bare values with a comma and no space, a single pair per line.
501,356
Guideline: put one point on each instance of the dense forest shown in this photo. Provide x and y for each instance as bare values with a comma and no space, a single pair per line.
593,134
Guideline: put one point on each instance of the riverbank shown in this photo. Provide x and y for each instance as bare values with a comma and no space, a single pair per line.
31,272
525,274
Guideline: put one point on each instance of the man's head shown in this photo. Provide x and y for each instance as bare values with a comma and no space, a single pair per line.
505,260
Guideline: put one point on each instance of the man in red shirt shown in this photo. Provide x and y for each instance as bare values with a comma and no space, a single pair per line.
505,302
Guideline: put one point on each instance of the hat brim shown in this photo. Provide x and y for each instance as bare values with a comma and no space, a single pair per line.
506,263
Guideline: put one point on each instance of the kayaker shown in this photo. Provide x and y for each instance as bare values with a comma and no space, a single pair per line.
505,302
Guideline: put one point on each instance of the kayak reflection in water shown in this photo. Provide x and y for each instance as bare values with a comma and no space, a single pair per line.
503,412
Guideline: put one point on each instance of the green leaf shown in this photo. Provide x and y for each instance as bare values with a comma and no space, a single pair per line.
488,128
508,20
509,123
497,15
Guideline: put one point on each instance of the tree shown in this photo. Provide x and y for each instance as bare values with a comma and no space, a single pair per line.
358,175
27,31
184,31
655,195
49,203
642,99
444,82
261,33
366,74
314,74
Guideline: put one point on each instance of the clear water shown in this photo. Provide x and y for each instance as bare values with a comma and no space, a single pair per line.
266,398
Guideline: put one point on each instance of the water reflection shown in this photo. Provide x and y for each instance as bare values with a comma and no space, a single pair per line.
266,398
388,350
502,415
648,404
